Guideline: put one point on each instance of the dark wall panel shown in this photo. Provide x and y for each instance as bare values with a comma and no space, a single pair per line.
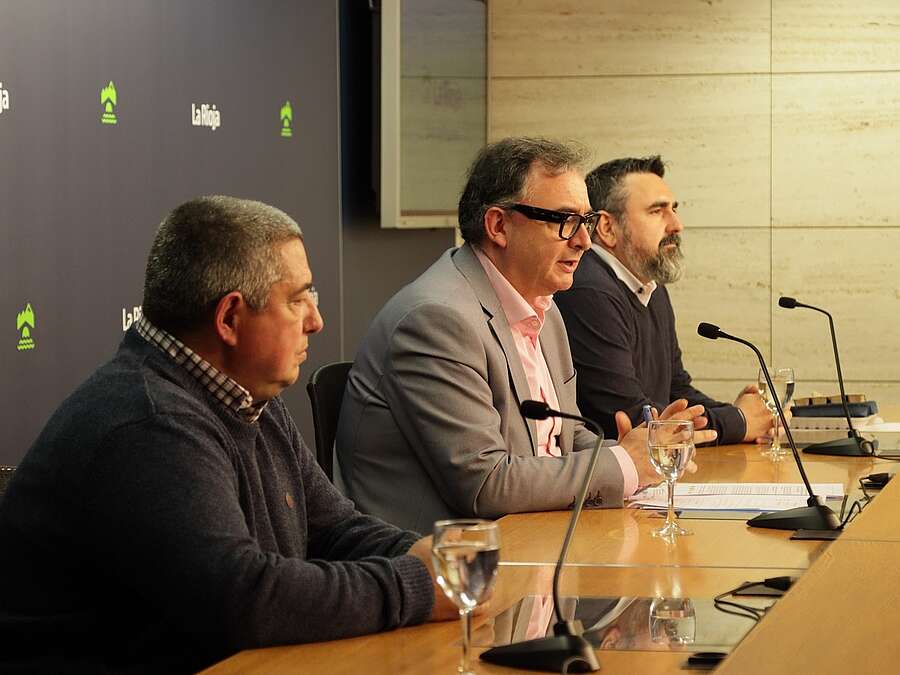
80,200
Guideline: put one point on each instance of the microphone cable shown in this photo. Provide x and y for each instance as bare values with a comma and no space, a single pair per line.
854,510
749,611
779,583
857,506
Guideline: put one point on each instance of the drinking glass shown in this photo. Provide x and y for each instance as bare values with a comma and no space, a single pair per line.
465,555
672,621
671,445
783,380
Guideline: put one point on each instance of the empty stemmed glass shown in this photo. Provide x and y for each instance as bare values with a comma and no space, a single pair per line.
671,445
783,380
465,555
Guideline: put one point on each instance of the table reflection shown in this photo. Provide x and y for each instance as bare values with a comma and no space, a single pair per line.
624,623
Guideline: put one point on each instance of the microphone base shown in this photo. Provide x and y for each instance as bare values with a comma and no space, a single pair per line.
842,447
817,517
548,654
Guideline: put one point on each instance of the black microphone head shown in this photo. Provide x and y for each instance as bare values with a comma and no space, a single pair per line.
708,330
535,410
786,302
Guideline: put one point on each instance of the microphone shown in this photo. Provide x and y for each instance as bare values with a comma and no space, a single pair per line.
815,516
854,445
538,410
566,650
709,330
535,410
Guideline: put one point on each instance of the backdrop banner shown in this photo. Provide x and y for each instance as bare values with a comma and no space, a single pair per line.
113,113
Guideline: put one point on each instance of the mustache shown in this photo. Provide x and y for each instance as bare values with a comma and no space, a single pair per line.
671,239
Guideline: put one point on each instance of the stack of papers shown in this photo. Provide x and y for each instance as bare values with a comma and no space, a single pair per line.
761,497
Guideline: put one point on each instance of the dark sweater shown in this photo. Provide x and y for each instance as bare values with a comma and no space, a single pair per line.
150,528
627,355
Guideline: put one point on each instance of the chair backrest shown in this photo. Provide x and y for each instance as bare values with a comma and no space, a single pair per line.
326,391
6,472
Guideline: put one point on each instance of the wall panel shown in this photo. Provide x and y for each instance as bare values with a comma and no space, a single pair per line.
726,283
713,131
835,35
441,118
535,38
834,150
442,100
852,274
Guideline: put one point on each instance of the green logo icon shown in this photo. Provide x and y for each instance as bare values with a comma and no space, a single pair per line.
108,100
287,117
25,324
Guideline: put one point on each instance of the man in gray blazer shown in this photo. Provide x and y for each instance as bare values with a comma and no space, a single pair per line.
430,426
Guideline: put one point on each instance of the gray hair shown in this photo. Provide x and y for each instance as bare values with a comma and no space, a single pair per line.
606,183
207,248
498,174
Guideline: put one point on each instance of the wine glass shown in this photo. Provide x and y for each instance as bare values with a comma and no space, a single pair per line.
465,555
671,445
672,621
783,381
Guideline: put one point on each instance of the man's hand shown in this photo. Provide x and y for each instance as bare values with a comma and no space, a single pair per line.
444,610
788,415
634,440
756,414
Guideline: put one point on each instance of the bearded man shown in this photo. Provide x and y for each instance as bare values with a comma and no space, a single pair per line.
618,315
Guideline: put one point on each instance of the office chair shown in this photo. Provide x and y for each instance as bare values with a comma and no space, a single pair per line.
326,391
6,473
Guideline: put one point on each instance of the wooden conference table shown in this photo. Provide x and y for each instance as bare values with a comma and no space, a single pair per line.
838,618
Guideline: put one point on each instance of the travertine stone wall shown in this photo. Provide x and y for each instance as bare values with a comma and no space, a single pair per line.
442,100
780,122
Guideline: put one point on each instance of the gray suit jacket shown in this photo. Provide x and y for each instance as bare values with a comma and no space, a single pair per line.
430,425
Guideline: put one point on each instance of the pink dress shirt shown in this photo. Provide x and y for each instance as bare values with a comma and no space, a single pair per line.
526,323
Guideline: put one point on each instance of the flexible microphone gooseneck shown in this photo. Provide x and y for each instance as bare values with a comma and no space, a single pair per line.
854,445
815,516
538,410
566,648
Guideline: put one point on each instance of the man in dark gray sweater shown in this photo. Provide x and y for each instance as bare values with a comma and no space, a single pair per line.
170,514
618,315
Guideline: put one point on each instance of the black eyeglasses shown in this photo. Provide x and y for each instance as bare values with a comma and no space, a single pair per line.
568,222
